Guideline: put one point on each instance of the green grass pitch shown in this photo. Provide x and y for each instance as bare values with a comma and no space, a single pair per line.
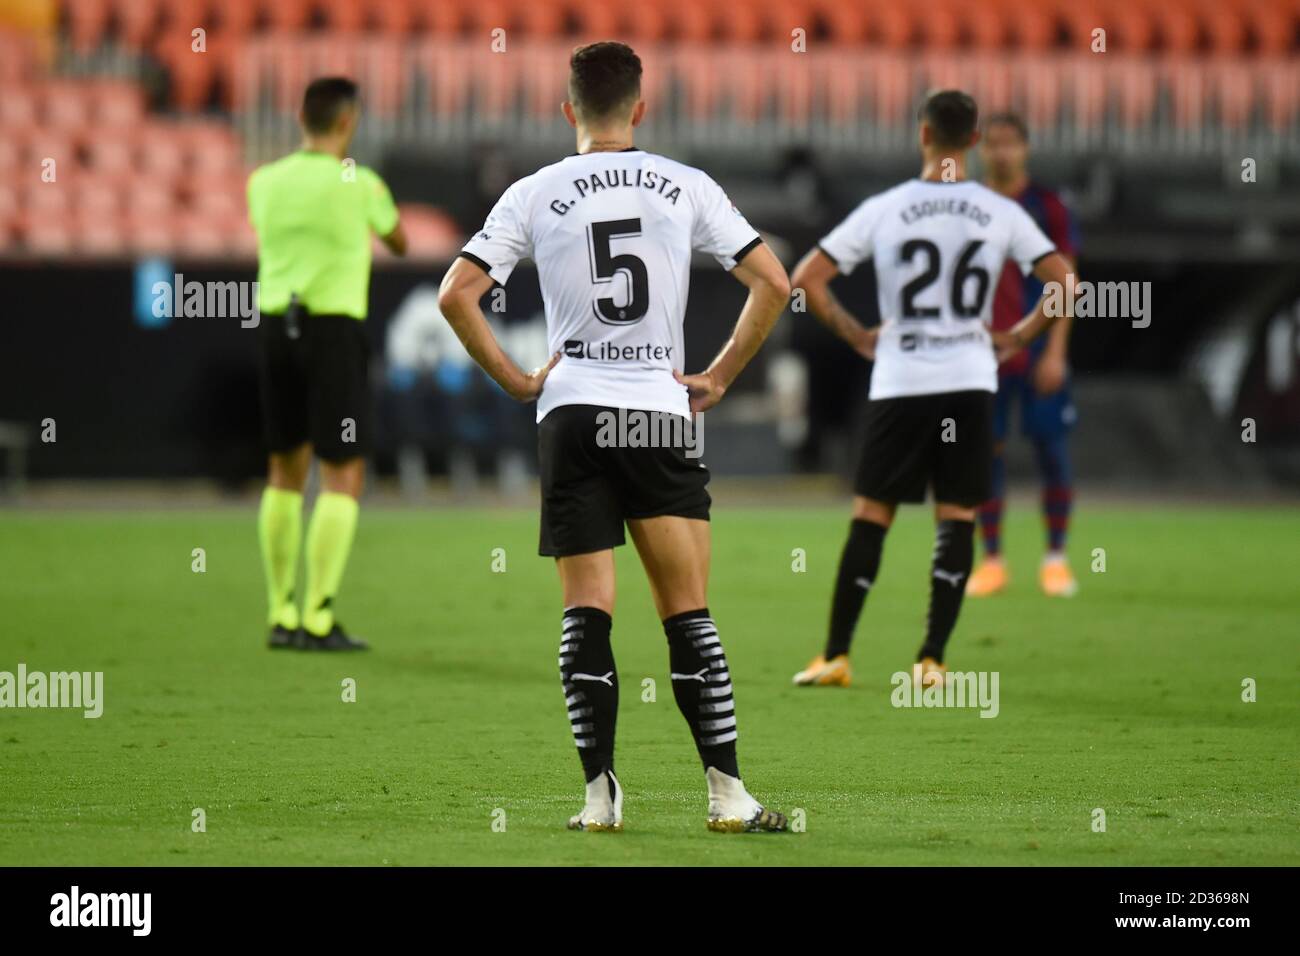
1127,698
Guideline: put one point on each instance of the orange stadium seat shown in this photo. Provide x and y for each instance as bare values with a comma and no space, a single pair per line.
148,233
161,154
287,16
1179,27
1233,90
989,25
1131,25
147,195
20,106
98,235
11,157
345,16
67,105
396,17
940,27
1272,25
41,144
190,73
645,23
200,236
87,23
448,81
239,17
743,22
111,150
211,149
1281,92
1032,24
597,18
137,21
846,23
1088,92
544,19
442,19
892,25
483,16
47,237
117,104
10,205
1225,26
98,195
49,201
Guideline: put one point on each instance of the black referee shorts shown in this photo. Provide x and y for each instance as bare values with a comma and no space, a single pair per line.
315,387
942,441
590,488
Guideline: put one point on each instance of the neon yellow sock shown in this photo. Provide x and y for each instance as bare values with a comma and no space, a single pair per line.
329,539
279,530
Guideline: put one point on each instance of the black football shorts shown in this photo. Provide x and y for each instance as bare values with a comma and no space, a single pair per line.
590,487
940,441
315,385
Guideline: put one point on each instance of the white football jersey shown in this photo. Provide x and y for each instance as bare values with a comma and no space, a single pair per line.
939,249
612,235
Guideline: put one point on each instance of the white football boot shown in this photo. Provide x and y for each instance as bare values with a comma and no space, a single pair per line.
733,810
604,809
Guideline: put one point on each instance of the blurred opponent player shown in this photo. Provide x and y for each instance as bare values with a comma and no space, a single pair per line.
314,216
938,243
1037,379
611,229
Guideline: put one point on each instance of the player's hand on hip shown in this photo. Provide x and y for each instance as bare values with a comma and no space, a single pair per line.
704,389
534,380
1049,374
866,344
1005,345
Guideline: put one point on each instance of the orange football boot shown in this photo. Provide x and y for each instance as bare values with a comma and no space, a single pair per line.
826,673
1055,577
988,579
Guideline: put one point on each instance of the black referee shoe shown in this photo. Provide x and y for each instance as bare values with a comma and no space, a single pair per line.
336,640
282,638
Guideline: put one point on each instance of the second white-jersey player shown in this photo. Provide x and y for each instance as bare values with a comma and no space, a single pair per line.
612,235
939,248
938,243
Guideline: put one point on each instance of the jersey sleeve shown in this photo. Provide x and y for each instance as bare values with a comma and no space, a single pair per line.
503,240
381,212
720,229
1026,244
851,242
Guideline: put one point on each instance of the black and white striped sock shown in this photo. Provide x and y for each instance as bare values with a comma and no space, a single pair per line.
702,687
590,686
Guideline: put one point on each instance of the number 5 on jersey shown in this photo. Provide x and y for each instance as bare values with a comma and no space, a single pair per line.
606,267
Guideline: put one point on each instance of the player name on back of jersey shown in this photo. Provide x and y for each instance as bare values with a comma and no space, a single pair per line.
619,178
947,206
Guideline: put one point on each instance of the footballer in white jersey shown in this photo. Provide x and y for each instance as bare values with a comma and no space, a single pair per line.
939,248
938,243
612,231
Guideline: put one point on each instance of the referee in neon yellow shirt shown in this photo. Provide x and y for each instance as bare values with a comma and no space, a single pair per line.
314,212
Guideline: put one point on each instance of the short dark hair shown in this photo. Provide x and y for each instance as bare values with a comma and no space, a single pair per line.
1014,120
325,99
953,116
603,77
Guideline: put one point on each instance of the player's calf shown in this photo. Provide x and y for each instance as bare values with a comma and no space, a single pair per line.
590,682
954,553
703,691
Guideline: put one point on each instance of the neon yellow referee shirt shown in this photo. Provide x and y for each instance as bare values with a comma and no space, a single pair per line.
313,217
